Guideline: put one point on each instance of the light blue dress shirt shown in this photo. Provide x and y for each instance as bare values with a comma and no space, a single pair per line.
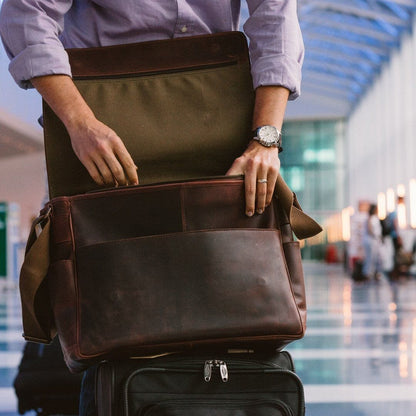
35,32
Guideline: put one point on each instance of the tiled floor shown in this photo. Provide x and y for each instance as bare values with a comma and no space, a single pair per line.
357,359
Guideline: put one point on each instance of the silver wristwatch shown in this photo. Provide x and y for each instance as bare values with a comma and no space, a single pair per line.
268,136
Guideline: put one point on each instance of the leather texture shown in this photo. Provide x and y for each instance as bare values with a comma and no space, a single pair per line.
167,267
183,108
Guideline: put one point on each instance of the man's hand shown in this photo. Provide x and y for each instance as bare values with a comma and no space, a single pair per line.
258,163
260,166
98,147
103,153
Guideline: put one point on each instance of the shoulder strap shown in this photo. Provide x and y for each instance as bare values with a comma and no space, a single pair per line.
36,310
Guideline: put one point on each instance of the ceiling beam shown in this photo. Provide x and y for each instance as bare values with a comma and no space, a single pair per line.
350,86
339,6
318,19
336,55
341,39
359,53
311,87
338,59
407,3
348,71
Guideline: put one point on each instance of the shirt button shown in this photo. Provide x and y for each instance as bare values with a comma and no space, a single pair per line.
184,29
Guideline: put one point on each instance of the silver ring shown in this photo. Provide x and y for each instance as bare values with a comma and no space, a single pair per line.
262,180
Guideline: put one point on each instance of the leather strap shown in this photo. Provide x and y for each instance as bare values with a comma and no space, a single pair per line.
36,312
37,316
302,225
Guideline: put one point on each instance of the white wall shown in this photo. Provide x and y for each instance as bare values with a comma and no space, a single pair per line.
381,132
22,180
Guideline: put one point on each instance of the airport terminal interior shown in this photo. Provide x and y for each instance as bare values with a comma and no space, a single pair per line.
349,142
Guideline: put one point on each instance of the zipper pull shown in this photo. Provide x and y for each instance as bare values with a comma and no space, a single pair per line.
223,371
210,364
208,370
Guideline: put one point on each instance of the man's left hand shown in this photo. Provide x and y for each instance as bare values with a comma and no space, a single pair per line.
260,166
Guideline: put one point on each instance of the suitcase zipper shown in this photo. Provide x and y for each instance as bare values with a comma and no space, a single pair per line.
240,366
208,366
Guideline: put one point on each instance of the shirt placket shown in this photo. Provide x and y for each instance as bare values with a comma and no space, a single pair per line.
183,25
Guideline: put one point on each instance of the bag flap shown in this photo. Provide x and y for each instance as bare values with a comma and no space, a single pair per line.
182,107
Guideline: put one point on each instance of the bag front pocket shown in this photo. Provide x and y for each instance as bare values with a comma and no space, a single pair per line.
206,407
185,288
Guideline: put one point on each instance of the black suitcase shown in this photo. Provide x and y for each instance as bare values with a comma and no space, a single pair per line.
43,382
227,384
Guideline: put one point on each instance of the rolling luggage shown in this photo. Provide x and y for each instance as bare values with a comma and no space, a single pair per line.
209,384
43,382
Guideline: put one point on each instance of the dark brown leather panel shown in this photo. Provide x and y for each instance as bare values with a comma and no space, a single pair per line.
221,205
63,294
194,52
61,231
183,287
160,209
100,217
295,268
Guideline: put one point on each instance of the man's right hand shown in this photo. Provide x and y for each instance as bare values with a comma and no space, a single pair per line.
102,152
98,147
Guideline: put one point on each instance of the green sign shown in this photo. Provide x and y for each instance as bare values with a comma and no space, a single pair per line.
3,239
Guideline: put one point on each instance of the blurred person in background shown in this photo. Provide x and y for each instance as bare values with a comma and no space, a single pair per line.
356,251
372,241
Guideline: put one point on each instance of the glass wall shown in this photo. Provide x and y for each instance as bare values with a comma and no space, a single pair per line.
314,167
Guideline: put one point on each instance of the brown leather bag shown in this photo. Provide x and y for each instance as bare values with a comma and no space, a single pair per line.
163,267
166,267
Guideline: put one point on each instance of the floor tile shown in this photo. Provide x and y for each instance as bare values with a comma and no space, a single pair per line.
358,357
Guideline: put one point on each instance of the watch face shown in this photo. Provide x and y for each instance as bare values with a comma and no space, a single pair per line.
268,135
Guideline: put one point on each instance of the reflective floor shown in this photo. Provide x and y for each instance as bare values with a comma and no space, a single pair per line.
358,357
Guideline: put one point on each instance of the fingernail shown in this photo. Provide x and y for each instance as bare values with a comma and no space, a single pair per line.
249,213
260,211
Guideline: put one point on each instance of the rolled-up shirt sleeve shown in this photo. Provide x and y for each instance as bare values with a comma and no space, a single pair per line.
276,44
30,31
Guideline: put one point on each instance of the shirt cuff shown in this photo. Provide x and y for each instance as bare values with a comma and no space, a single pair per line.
278,70
39,60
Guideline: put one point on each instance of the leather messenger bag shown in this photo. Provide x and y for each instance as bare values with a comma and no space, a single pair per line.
173,263
166,267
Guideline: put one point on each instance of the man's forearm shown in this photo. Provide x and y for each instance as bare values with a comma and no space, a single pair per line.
270,106
63,97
